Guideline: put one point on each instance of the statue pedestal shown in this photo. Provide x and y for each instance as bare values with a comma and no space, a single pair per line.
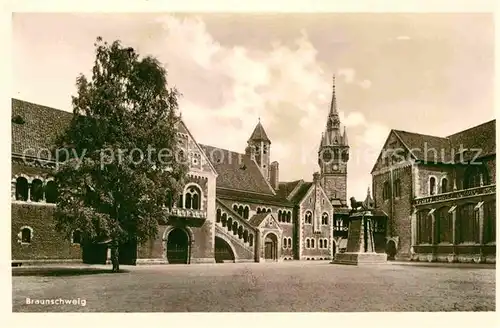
360,244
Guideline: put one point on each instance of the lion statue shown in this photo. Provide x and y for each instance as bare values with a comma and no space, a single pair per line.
355,205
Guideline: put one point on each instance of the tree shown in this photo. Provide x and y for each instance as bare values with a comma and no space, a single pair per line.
121,151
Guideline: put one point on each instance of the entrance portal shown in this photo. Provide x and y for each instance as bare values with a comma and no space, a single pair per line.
223,252
177,247
271,247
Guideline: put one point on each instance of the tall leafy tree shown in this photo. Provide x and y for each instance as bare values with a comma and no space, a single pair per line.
122,159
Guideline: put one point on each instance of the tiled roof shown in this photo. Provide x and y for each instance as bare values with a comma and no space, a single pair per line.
259,134
257,198
422,146
37,127
285,188
481,136
301,192
236,171
257,219
419,143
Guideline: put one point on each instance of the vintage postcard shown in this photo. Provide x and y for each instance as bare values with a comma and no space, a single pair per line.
253,162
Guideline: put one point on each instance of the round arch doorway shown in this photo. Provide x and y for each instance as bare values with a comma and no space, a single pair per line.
223,252
271,247
177,247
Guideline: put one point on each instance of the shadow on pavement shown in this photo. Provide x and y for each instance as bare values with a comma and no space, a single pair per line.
61,271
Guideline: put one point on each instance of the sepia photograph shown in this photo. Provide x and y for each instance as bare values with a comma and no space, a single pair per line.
253,162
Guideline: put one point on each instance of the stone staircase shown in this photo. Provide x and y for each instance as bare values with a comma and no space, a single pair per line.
236,229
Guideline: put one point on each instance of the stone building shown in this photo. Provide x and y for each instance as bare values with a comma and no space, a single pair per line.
234,207
439,195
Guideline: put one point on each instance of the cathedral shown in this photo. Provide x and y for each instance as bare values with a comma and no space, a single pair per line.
234,207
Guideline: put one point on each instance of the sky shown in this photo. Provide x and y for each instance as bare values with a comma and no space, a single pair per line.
420,72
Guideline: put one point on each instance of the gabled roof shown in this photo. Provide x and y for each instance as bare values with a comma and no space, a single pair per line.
37,128
422,146
259,134
301,192
257,219
285,188
237,171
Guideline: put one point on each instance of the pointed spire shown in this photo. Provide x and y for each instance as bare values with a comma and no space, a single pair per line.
259,134
333,105
346,142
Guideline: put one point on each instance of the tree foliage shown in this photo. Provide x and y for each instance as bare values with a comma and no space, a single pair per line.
106,188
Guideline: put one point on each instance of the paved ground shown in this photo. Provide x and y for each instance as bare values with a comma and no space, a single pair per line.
269,287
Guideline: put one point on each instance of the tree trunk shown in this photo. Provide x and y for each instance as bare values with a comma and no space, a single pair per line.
115,259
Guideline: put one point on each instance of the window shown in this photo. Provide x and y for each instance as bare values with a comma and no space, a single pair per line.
424,227
235,207
324,219
308,217
475,175
250,240
268,210
36,194
219,215
308,243
192,198
285,242
290,242
397,188
279,216
312,243
385,191
321,243
22,189
246,212
288,217
76,237
444,225
325,243
444,185
468,223
50,192
432,186
26,234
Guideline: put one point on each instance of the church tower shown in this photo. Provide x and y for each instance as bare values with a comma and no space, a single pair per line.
333,155
260,145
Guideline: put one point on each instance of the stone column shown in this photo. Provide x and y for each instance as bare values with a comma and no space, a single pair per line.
453,211
258,246
480,213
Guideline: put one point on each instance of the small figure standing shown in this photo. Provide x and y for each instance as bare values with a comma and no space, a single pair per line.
115,256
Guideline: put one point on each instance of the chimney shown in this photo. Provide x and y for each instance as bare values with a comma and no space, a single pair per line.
316,178
250,151
275,175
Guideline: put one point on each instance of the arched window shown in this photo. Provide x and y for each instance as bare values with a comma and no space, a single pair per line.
235,207
36,194
444,225
325,243
245,236
476,174
308,217
240,210
268,210
397,188
223,219
290,242
229,224
424,227
312,243
180,202
324,219
444,185
279,215
432,186
219,215
22,189
308,243
320,243
289,217
468,223
385,191
285,242
258,210
192,198
246,212
50,192
250,239
26,235
76,237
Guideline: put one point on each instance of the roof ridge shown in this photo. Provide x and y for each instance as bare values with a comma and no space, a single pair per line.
39,105
472,127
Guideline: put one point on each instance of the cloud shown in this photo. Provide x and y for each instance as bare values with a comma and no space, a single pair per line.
365,84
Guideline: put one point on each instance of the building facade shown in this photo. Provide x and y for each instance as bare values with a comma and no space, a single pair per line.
439,195
234,207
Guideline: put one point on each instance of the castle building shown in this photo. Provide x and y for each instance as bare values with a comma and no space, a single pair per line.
439,195
234,208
